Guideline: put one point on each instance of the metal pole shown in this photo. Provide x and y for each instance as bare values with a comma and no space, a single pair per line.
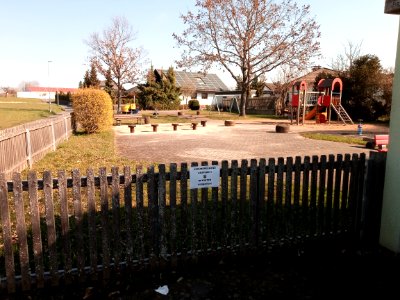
48,75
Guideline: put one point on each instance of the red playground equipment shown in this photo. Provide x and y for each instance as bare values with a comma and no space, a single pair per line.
318,104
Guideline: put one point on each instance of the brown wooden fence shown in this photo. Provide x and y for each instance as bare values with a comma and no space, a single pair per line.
57,230
21,146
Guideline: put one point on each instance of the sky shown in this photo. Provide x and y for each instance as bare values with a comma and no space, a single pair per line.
44,40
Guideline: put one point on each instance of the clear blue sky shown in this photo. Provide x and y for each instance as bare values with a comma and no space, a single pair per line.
35,32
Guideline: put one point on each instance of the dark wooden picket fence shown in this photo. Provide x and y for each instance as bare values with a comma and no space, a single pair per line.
59,230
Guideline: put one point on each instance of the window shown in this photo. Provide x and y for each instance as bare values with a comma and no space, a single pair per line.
193,96
204,96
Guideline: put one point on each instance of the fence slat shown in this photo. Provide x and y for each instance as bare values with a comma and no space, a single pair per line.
224,238
234,205
305,192
162,224
337,192
128,215
296,195
51,227
140,219
92,223
279,196
313,195
243,213
204,217
254,215
105,234
7,237
184,236
270,198
193,204
329,193
65,228
172,203
78,214
214,221
116,226
36,231
288,218
345,189
153,216
321,194
21,232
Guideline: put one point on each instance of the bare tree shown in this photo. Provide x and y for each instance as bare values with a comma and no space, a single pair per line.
283,83
111,51
187,91
8,91
344,61
248,38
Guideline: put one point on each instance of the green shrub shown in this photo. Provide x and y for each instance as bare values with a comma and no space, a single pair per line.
194,104
93,110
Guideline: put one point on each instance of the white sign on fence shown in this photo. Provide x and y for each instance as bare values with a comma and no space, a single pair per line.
204,177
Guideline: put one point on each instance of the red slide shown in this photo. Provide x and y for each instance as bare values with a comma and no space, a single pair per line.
311,114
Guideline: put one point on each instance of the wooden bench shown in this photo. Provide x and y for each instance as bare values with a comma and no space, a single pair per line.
132,128
154,127
194,125
381,141
175,126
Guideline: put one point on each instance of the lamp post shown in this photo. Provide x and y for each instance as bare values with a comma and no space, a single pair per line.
48,75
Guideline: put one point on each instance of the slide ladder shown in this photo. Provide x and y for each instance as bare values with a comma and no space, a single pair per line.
341,112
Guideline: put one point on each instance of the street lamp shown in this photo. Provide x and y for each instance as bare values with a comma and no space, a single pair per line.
48,75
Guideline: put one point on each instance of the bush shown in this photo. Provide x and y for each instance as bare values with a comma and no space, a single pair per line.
194,104
93,110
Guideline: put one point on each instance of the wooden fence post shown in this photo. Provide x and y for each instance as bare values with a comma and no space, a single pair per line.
92,223
140,241
7,236
21,232
65,226
28,148
173,220
36,231
51,226
78,214
373,198
116,226
193,204
105,234
128,214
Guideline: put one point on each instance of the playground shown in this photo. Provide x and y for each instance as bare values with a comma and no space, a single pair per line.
247,139
318,105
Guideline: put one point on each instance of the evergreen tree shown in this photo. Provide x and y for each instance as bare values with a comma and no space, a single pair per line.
159,92
86,80
108,84
94,81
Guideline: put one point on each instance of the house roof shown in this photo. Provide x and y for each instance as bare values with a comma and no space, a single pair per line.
49,89
309,78
202,82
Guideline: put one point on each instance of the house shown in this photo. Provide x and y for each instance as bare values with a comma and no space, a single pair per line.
196,85
44,93
309,78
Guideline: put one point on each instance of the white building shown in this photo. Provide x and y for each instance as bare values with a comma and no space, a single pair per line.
44,93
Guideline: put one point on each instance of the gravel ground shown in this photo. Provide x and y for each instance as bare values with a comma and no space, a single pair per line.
310,272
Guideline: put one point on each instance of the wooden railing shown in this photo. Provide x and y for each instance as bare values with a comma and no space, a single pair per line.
94,225
21,146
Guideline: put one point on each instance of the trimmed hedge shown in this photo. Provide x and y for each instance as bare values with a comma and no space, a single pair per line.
93,110
194,104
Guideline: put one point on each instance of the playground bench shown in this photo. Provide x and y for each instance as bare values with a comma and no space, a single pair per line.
380,140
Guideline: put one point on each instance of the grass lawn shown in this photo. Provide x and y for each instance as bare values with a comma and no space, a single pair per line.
334,138
15,111
83,151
